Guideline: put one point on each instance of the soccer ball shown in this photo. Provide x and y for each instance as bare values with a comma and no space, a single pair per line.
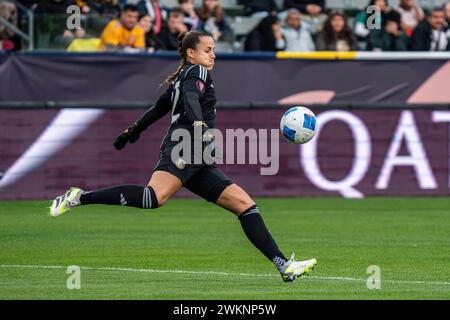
298,125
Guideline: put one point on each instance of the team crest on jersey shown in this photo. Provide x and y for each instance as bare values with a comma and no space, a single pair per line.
180,164
200,86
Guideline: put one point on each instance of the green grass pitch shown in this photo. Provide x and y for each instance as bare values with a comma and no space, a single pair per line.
190,249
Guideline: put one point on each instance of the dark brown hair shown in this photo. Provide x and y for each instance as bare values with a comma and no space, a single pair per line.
205,14
331,36
186,40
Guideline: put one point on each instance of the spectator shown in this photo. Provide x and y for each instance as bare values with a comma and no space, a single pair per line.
267,36
297,37
214,21
169,33
84,6
9,41
191,18
84,45
369,19
101,7
336,35
447,13
51,23
123,33
431,34
54,6
70,35
29,3
390,37
151,42
311,13
259,7
152,8
411,14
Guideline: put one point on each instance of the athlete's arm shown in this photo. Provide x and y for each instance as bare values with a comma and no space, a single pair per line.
194,86
155,112
150,116
192,106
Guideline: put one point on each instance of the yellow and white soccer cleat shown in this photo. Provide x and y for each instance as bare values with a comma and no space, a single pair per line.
295,269
66,202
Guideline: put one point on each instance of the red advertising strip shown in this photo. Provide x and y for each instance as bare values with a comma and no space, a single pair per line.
356,153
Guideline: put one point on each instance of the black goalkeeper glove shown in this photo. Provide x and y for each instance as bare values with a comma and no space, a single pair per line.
131,135
206,139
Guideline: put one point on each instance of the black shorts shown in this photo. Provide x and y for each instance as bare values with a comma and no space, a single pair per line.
206,181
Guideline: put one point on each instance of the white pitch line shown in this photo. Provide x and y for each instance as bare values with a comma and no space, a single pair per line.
216,273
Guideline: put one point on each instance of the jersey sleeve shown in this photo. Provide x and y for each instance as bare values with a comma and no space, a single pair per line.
194,87
140,38
155,112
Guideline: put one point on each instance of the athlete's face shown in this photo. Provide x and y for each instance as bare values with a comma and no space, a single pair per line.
203,54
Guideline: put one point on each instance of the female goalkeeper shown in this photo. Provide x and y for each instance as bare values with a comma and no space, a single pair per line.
191,99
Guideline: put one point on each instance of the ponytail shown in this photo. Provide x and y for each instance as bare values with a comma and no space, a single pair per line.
175,75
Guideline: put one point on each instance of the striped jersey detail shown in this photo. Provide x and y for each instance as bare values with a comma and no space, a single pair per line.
202,73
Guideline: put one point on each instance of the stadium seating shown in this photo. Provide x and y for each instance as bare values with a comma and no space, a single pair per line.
242,25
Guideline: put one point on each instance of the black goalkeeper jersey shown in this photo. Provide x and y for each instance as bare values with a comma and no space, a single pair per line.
191,97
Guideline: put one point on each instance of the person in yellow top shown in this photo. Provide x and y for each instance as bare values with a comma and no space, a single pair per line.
123,33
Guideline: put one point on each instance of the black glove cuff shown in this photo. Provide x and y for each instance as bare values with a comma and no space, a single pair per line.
133,132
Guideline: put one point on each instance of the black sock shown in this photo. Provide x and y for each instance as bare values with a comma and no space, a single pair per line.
125,195
256,231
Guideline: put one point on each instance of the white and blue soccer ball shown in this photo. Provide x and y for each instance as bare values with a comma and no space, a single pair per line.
298,125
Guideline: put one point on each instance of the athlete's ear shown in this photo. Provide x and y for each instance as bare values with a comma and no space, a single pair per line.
190,53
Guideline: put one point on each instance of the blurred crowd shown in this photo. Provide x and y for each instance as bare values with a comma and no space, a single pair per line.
298,25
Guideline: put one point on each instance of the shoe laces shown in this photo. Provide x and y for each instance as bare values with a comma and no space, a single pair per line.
295,265
72,203
292,258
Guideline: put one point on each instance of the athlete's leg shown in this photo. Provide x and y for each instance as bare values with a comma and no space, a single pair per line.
162,186
212,185
236,200
165,185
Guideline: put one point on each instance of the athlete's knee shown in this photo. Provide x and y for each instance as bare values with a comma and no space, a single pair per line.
243,204
243,201
235,199
161,197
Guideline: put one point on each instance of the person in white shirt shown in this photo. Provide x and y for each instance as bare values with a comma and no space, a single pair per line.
411,14
296,36
432,34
